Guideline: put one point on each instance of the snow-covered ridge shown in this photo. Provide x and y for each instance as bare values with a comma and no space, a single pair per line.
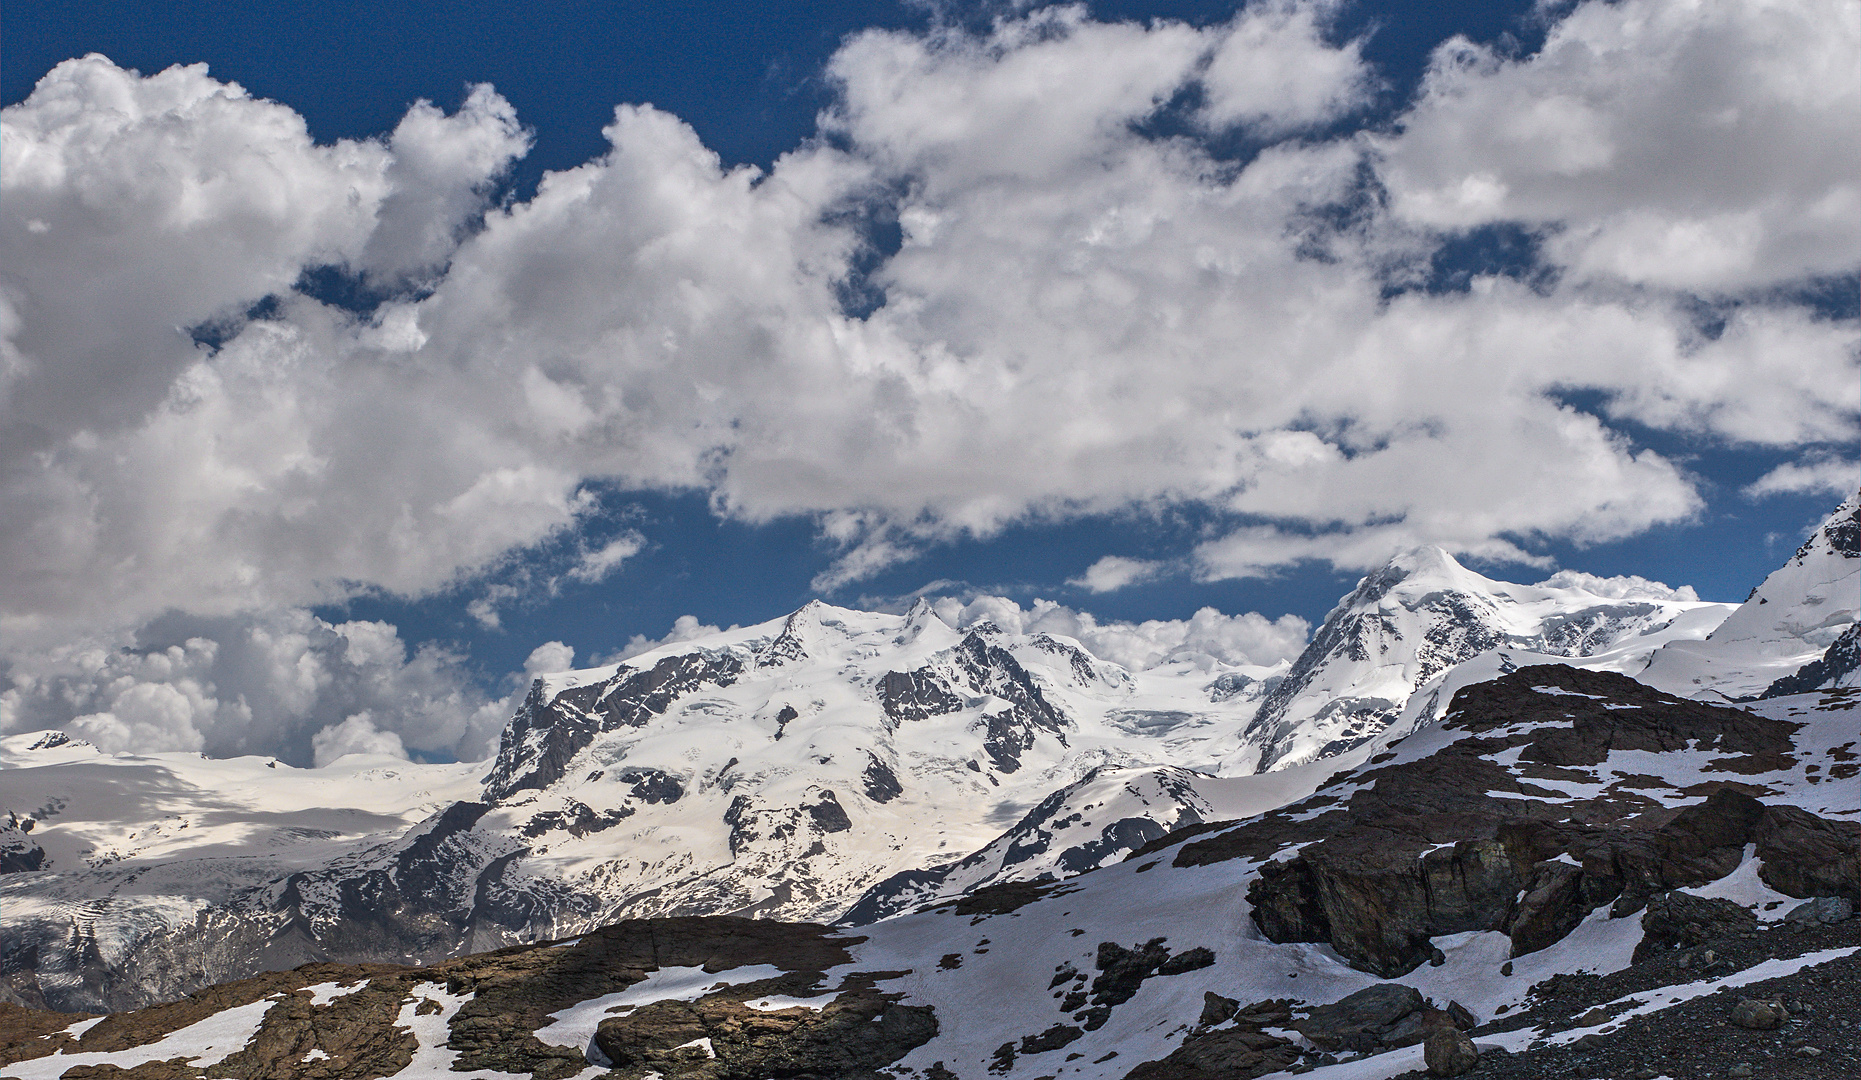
1791,620
1422,614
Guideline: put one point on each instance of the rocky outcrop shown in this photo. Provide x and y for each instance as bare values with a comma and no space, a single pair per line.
1678,920
1837,667
18,851
1457,842
853,1034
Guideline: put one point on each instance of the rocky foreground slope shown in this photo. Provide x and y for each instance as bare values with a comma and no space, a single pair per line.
1571,872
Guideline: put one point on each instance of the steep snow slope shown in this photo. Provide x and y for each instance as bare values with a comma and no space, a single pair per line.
1791,620
1421,614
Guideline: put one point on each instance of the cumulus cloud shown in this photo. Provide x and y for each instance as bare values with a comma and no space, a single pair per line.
356,735
286,683
1083,317
1206,639
1621,587
684,628
1706,145
1818,475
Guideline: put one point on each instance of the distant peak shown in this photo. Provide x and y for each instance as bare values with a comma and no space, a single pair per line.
1427,559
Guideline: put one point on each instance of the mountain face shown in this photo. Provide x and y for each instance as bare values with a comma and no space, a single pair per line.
1424,613
1802,614
1557,879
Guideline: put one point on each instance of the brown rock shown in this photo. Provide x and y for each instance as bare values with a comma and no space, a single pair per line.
1755,1015
1448,1052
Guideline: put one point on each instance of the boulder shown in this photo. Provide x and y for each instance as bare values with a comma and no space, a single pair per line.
1217,1009
1755,1015
1360,1021
1820,911
1448,1052
1678,920
1804,855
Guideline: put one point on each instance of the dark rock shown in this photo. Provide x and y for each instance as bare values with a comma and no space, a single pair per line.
916,695
1051,1039
1122,970
1680,920
1448,1052
1461,1016
1360,1020
1217,1009
881,782
1804,855
19,853
1821,911
1188,960
854,1034
651,785
829,816
1552,907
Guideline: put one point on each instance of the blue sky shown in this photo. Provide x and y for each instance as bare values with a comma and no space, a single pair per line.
1572,334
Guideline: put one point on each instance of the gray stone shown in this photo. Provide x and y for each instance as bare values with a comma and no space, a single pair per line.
1821,911
1360,1020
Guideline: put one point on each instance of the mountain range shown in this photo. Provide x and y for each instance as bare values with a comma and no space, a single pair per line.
850,767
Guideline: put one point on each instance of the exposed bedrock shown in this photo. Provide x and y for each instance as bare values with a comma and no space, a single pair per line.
1458,842
1379,903
853,1035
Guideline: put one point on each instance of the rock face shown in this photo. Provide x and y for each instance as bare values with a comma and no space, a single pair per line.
1453,842
852,1035
1363,1020
1677,920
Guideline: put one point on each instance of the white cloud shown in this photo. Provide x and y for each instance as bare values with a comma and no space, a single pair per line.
1082,319
1116,572
287,683
1819,475
684,628
1621,587
1206,639
1275,71
1705,145
355,735
549,657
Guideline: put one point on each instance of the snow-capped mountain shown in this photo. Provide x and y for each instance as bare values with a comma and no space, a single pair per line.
1804,613
794,769
1423,613
775,770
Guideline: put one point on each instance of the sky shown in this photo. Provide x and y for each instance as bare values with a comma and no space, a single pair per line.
359,361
